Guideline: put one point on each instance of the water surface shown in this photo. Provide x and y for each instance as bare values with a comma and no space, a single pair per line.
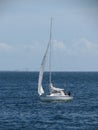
21,108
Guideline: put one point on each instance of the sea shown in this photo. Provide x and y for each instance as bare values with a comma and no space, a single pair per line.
22,109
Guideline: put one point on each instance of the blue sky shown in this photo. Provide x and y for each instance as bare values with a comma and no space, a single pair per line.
24,34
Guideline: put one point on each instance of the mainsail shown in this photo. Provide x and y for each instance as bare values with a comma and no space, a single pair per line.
40,88
55,89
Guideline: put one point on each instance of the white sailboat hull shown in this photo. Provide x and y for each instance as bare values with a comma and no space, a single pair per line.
56,98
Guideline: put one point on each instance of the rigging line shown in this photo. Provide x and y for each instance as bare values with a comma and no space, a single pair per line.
50,51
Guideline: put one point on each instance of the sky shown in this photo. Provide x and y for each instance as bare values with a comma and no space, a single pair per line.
24,34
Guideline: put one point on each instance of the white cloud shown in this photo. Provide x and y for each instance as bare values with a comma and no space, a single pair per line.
84,46
58,45
5,47
27,48
76,47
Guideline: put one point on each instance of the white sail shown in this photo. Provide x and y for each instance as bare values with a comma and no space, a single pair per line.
40,88
55,89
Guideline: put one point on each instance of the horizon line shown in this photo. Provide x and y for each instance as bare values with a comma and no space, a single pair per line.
48,71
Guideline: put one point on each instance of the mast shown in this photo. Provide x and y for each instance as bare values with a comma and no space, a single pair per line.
50,52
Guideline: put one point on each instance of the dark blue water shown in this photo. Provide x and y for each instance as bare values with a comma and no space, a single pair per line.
21,109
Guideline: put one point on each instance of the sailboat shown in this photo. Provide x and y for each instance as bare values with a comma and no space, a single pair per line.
55,94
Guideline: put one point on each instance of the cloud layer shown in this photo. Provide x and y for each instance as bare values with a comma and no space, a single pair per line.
78,54
76,47
5,47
